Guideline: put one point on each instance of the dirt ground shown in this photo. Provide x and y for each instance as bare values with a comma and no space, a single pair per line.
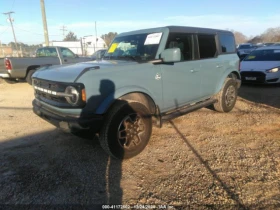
204,160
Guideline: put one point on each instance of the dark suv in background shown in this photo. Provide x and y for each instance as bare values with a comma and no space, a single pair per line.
244,49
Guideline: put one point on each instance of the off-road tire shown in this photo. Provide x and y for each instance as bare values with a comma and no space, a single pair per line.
137,134
28,76
227,96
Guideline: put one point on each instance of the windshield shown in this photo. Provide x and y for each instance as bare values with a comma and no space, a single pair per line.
264,55
244,46
138,47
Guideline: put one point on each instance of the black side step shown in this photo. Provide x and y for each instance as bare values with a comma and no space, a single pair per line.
183,111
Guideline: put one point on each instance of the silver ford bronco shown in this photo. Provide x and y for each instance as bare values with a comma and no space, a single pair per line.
146,77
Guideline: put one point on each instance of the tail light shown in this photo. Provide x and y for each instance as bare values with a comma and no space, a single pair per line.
8,64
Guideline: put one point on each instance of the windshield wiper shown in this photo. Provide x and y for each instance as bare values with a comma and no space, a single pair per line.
132,57
107,57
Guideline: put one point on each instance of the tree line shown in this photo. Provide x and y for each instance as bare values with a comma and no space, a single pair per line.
270,35
108,38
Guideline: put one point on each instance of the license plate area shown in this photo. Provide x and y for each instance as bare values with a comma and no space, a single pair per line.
251,78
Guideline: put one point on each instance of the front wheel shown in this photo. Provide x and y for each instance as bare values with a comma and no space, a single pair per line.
127,129
227,96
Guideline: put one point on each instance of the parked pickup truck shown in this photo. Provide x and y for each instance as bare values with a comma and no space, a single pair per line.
23,68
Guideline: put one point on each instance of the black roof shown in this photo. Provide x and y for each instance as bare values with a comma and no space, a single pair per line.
189,29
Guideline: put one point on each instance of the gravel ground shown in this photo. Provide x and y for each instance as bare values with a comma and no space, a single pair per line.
203,160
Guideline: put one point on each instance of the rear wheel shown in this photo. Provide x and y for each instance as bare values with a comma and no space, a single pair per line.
127,129
29,75
226,97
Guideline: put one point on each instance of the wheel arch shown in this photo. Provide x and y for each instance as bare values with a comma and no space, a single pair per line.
140,95
33,67
231,74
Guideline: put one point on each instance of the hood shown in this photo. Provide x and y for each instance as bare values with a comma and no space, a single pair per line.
258,65
69,73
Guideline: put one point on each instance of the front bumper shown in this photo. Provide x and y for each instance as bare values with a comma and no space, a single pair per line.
258,77
68,123
5,75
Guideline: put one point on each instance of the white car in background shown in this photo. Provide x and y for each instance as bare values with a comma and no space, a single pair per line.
261,66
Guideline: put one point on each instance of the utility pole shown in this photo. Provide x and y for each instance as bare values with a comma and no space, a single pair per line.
45,23
63,29
11,21
95,47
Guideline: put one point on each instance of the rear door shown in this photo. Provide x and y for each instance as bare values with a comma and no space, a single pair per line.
211,66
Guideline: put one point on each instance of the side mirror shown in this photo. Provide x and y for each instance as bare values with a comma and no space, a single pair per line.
171,55
76,56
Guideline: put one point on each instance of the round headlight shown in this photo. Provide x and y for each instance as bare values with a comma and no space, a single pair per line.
74,99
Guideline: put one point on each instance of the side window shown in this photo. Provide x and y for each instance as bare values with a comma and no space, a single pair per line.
227,43
207,46
182,41
67,53
40,52
52,52
46,52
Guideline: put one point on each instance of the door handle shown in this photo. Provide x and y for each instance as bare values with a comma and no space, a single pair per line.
192,70
158,76
219,66
65,60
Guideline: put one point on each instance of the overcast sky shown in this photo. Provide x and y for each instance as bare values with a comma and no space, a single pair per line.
79,16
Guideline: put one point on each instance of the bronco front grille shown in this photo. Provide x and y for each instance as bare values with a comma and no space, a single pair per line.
54,92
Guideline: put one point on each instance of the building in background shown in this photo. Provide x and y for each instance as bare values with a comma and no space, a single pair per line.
74,46
93,43
86,46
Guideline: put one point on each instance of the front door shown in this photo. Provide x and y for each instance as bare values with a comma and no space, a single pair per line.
181,80
68,56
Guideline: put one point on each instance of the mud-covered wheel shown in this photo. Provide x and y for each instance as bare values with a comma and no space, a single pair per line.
29,75
226,97
127,129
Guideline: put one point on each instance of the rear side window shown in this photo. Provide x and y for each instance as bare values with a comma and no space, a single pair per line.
227,43
46,52
207,46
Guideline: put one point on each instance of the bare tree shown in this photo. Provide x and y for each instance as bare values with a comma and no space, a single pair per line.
239,37
271,35
255,40
108,38
70,37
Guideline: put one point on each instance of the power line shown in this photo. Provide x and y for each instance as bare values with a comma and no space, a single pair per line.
2,32
11,21
63,29
13,4
32,31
